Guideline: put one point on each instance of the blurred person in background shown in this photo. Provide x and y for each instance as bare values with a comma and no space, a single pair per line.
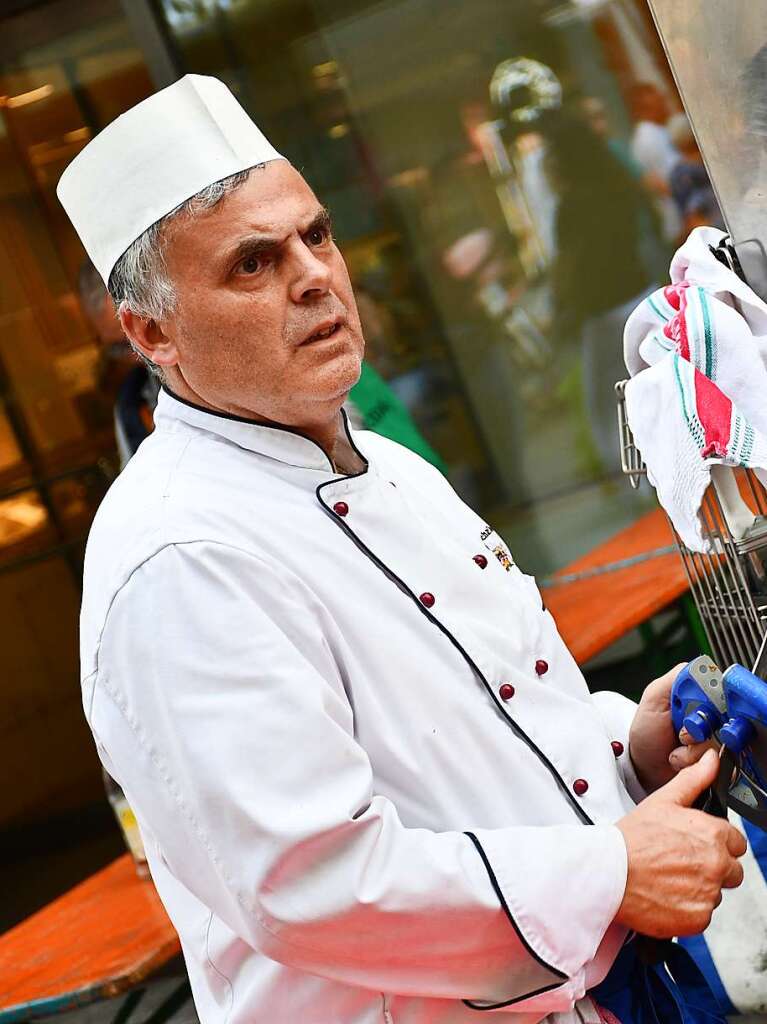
690,184
654,151
122,376
603,225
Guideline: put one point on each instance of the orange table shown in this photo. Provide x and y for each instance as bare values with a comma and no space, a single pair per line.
593,612
101,938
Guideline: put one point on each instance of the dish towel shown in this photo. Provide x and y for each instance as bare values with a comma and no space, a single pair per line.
696,351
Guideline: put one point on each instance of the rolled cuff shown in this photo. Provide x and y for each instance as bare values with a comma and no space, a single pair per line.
561,887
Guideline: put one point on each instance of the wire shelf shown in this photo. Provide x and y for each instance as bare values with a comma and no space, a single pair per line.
728,582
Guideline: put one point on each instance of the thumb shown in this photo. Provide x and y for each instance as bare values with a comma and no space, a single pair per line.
687,786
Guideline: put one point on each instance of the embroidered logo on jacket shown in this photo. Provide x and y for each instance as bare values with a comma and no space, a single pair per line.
503,557
492,542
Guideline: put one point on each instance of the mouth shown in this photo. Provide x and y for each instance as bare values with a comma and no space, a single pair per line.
325,330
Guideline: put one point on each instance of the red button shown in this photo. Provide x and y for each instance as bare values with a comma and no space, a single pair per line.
506,692
427,599
580,786
617,747
481,561
341,508
541,667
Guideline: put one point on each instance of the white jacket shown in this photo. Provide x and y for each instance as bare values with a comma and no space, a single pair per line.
357,803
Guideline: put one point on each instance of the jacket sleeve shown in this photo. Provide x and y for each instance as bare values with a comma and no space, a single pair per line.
218,705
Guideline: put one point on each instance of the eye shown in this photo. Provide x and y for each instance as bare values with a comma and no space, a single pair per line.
251,265
317,236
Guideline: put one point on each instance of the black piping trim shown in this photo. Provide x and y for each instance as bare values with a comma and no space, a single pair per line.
510,1002
269,426
509,914
517,729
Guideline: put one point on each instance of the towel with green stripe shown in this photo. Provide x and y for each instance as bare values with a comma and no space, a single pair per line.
696,351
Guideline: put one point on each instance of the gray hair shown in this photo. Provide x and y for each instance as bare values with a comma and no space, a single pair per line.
139,280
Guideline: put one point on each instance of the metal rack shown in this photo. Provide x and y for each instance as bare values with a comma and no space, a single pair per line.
729,582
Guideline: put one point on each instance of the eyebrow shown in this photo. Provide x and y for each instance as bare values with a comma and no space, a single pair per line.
255,245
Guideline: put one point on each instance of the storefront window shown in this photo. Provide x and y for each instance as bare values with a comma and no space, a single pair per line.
478,162
66,70
496,175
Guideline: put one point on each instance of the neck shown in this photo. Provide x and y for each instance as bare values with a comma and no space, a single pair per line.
328,434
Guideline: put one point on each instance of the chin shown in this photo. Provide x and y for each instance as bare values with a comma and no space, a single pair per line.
341,376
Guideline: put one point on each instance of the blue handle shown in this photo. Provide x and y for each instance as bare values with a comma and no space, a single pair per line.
692,706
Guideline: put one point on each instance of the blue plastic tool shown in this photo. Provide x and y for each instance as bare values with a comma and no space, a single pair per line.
731,709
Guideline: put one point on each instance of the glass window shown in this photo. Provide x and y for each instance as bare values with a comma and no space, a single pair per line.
499,176
66,70
499,209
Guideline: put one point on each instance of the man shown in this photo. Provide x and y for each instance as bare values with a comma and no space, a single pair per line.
371,781
371,405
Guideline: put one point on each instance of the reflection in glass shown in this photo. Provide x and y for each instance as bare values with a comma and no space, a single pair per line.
490,182
720,65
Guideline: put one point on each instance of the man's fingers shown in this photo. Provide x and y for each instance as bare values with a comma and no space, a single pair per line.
734,876
691,781
736,842
690,753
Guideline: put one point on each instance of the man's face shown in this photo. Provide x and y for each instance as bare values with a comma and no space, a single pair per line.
257,277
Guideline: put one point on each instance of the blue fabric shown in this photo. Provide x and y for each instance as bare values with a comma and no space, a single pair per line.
757,840
671,991
697,947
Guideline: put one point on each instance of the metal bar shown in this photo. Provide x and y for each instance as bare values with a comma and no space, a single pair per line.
178,998
721,564
722,619
711,612
162,57
129,1005
729,566
750,618
695,579
699,585
608,567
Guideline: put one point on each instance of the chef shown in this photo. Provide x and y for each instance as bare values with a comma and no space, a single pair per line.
371,781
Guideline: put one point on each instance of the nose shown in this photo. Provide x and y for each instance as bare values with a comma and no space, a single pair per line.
312,276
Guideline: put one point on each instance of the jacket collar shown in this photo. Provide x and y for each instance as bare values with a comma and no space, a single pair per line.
276,442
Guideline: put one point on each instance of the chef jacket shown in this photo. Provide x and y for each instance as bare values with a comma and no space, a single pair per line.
371,781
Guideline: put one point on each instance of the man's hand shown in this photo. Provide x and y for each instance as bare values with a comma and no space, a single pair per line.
652,737
679,859
656,752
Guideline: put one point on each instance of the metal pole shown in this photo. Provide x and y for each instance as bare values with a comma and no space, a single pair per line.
161,56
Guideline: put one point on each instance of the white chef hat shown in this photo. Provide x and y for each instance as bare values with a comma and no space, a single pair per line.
154,157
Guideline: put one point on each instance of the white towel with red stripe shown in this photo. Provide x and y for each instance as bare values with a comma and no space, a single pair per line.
696,351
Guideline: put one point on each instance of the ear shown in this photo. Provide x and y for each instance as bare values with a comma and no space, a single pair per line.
149,338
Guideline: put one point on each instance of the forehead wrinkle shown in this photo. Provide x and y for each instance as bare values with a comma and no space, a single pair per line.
259,242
